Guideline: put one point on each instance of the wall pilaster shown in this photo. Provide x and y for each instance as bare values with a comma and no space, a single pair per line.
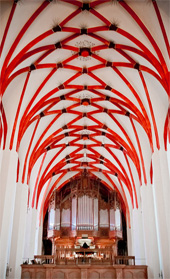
150,234
18,231
161,194
8,175
30,233
138,237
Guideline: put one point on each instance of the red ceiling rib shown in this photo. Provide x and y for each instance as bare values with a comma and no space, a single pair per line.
37,179
4,126
18,110
54,168
147,33
20,35
7,27
140,151
151,110
162,27
83,102
28,150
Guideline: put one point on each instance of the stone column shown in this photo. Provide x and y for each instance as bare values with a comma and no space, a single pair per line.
150,234
8,176
18,231
129,229
137,237
129,241
165,176
30,234
38,236
161,194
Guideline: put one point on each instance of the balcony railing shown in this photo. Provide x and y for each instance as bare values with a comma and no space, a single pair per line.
83,256
45,266
102,232
126,260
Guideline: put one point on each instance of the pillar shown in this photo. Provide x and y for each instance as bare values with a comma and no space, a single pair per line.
137,237
150,234
18,231
7,202
38,236
161,194
129,241
165,175
30,234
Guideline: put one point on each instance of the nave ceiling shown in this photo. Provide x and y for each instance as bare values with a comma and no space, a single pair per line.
84,86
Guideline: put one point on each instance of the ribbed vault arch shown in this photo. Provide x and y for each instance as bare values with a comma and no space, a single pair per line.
88,94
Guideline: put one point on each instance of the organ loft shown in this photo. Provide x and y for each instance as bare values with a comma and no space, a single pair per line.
85,221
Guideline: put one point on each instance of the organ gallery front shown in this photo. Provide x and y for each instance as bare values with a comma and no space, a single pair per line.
85,221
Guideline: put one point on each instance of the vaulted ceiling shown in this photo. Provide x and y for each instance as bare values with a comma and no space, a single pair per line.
84,86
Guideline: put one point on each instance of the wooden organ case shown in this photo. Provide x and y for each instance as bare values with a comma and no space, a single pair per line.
84,220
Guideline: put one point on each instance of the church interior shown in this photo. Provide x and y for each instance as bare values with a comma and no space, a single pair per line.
84,139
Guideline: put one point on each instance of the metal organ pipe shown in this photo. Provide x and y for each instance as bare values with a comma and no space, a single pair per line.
85,213
86,208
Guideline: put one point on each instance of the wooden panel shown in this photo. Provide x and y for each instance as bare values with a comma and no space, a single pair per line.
128,275
26,275
83,271
74,275
110,275
40,275
94,275
141,274
58,275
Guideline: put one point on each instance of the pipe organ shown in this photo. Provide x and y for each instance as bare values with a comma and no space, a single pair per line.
84,209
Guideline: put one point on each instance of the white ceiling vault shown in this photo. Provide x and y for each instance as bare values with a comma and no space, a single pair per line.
84,86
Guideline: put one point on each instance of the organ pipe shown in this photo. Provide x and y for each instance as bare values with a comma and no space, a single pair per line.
85,205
